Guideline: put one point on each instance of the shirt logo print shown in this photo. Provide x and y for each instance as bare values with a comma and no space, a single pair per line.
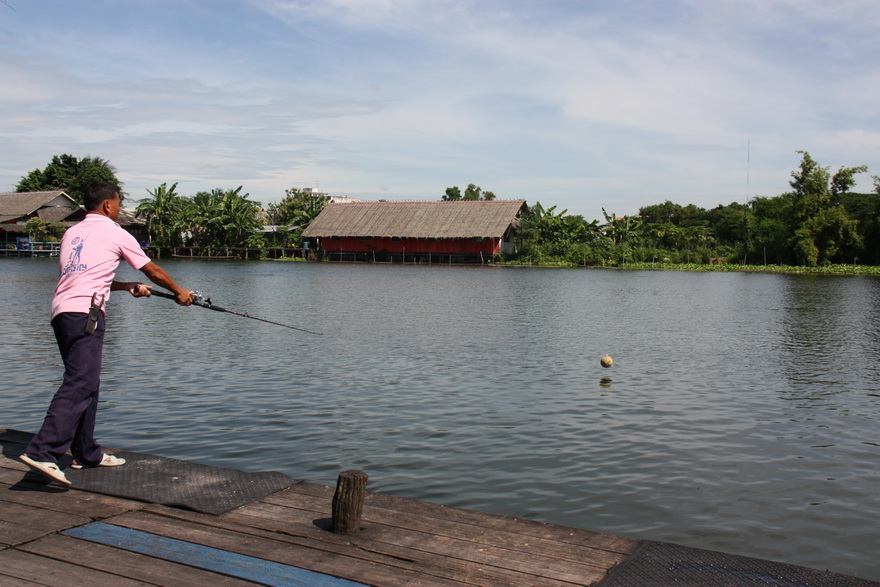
74,265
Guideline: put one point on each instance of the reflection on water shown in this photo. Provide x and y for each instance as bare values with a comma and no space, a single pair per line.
740,413
829,336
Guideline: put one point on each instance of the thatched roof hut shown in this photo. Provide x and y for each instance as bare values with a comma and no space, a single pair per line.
476,229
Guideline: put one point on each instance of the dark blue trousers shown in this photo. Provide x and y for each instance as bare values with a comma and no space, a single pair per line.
70,420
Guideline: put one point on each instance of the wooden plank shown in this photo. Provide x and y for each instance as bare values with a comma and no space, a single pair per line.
28,479
21,523
404,541
12,464
424,509
39,518
505,536
524,537
12,534
454,557
63,500
18,565
527,555
131,565
487,530
523,526
431,566
345,561
221,561
8,581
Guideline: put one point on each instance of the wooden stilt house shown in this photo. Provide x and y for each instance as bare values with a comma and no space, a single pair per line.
16,208
431,232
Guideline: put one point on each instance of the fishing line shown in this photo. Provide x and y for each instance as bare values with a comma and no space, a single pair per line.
202,302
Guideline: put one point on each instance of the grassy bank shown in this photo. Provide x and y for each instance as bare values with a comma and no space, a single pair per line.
822,269
869,270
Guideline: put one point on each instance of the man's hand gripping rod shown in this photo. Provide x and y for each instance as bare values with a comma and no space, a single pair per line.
198,300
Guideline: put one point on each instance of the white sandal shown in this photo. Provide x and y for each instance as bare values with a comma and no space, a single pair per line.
48,469
107,461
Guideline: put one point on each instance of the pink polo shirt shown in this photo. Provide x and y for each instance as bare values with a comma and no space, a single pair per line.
89,255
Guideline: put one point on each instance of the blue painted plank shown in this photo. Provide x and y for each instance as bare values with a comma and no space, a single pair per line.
204,557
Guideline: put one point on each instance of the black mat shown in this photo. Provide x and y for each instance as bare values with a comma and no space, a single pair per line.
171,482
660,563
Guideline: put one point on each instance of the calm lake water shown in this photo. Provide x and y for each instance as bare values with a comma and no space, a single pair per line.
741,413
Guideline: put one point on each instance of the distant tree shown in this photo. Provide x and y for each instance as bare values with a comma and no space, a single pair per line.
67,173
472,193
661,213
298,208
224,218
57,175
865,210
819,221
164,213
241,217
767,231
871,225
545,235
669,212
42,231
730,223
623,229
452,194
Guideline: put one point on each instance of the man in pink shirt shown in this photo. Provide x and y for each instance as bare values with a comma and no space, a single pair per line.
89,255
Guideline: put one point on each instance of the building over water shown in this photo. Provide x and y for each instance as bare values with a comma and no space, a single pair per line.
16,208
53,207
432,232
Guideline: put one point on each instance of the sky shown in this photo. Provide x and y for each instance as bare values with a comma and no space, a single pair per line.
578,104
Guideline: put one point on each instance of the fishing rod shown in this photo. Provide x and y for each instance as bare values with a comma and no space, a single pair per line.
199,300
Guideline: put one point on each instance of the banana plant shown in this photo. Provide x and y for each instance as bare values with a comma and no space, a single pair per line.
622,229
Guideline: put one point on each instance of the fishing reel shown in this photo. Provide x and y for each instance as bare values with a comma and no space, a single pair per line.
198,298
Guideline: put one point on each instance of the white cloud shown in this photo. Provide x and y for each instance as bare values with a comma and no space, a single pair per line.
91,135
581,104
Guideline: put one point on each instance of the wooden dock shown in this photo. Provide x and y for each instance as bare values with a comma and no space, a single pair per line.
50,535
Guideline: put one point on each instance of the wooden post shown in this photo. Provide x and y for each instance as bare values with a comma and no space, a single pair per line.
348,502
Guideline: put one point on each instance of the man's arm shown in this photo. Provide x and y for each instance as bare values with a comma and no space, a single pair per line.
160,277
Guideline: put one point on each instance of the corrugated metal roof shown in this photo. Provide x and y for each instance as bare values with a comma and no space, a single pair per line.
462,219
24,203
56,213
129,217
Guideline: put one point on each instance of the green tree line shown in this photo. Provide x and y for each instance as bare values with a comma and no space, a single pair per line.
226,218
820,221
216,218
70,175
219,218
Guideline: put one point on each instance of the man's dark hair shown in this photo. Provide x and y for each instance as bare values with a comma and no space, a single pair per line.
97,192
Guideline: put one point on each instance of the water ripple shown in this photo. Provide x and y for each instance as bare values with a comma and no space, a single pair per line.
740,414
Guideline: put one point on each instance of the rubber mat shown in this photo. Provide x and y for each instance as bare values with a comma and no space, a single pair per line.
154,479
162,480
661,563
